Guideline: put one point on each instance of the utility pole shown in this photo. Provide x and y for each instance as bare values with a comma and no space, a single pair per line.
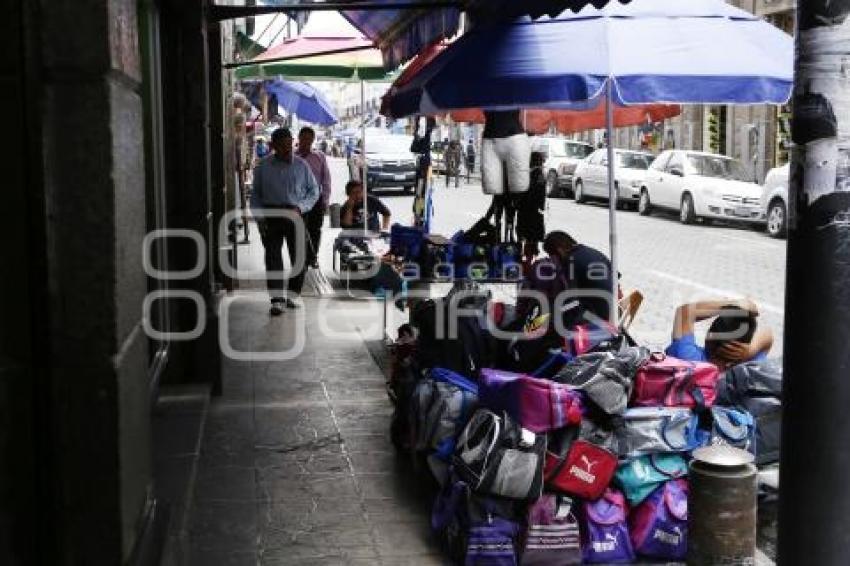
814,512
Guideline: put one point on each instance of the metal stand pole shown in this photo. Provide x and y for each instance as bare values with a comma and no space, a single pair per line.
364,165
814,496
612,200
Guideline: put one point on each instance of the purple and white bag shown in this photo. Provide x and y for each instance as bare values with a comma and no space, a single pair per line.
605,536
552,533
659,525
491,543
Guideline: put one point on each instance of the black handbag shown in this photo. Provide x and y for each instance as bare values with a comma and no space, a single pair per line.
494,458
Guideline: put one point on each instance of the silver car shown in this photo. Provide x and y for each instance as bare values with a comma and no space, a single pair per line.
590,180
774,199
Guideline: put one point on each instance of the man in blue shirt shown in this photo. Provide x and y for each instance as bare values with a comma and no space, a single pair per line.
283,181
732,338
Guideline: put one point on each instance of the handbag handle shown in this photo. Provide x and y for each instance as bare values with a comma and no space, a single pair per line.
665,425
653,462
729,417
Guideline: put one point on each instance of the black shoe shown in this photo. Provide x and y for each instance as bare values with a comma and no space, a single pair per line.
277,307
290,304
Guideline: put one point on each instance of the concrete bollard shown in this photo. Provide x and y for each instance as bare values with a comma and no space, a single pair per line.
722,505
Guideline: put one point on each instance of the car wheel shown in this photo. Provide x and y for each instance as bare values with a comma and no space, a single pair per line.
644,204
686,210
578,191
777,219
552,188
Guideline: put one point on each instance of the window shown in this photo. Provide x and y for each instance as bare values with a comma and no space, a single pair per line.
661,161
578,150
676,163
558,149
717,167
629,160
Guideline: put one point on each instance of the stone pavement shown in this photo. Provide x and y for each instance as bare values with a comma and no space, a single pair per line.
296,466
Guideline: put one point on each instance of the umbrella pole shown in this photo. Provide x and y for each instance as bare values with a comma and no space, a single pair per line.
612,200
364,165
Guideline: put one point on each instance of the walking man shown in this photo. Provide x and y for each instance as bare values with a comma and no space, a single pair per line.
316,217
453,156
470,160
283,181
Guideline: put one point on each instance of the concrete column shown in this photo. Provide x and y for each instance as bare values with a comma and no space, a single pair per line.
81,360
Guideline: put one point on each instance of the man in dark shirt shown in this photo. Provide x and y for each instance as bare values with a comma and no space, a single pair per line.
585,269
351,214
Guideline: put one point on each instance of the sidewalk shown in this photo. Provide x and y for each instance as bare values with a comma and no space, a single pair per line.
296,465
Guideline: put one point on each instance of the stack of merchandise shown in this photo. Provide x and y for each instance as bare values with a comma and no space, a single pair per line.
475,254
586,465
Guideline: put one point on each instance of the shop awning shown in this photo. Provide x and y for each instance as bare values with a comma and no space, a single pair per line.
317,58
402,33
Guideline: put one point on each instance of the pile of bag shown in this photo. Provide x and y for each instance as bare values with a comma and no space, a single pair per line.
588,464
472,254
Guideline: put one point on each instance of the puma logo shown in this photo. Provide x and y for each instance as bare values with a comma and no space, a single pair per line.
588,463
608,545
673,539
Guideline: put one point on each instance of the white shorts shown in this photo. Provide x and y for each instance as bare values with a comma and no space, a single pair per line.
515,153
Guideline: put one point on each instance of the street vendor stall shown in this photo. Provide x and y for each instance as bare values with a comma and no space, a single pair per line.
645,52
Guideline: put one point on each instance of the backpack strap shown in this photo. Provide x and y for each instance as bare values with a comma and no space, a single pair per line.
570,435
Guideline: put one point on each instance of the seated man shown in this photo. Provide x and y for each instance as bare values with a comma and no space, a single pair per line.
351,213
583,269
732,337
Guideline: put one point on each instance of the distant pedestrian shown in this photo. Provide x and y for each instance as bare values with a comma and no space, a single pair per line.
262,149
283,181
316,217
453,157
470,159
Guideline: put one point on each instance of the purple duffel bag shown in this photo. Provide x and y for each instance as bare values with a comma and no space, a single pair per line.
552,533
605,536
538,405
659,525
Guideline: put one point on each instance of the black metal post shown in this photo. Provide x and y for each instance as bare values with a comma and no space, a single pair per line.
814,510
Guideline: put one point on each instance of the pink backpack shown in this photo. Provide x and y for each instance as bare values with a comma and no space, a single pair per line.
671,382
539,405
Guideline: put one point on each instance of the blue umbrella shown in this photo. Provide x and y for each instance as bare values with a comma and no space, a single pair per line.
653,51
303,100
650,51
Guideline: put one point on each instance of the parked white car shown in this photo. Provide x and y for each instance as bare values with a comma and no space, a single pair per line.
590,180
775,200
560,161
701,185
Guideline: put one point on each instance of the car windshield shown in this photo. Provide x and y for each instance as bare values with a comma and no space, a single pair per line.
717,167
629,160
388,144
578,150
